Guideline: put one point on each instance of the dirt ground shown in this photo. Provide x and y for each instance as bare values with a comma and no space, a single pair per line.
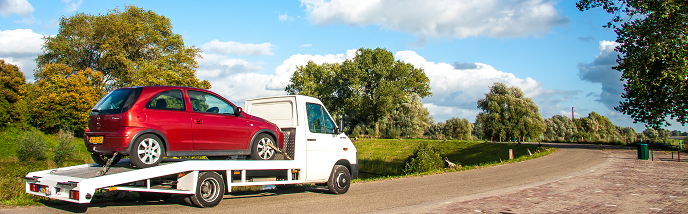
623,184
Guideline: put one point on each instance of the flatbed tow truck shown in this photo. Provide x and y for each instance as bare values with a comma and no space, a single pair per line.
317,152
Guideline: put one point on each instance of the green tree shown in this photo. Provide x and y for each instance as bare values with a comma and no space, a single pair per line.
560,128
507,114
131,47
458,128
653,57
62,98
409,119
12,90
366,89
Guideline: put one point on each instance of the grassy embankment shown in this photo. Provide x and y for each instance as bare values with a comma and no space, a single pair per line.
386,157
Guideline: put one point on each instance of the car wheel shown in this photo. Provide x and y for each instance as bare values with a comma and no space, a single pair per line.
103,159
261,150
147,151
209,190
340,180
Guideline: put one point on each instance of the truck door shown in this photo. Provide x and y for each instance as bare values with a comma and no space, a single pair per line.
322,144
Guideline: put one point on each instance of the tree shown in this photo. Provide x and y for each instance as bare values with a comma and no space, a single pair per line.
650,133
507,114
458,128
61,98
130,47
409,119
366,89
653,57
560,128
12,90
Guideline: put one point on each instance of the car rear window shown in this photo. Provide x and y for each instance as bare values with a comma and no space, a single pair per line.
117,101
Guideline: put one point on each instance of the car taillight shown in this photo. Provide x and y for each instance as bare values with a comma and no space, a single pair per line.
74,194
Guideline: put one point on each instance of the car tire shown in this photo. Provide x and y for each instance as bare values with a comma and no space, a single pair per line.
209,190
147,151
103,159
261,150
340,180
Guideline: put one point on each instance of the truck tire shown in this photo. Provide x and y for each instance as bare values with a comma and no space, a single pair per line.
340,180
209,190
102,159
147,151
261,150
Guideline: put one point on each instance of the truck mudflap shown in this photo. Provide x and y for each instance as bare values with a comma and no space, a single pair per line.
354,171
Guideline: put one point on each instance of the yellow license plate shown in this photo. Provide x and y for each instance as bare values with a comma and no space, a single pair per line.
96,140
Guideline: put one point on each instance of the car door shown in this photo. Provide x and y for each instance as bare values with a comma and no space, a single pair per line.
213,124
166,112
322,143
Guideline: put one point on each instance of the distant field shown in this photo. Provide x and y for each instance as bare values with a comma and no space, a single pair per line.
386,157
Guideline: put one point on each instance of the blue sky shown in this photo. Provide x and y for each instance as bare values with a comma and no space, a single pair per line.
559,56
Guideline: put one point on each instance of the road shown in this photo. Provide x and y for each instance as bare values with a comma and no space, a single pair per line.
412,194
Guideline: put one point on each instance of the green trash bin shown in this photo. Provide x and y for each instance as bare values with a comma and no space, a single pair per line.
643,152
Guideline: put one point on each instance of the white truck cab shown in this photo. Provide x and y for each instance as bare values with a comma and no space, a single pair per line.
315,152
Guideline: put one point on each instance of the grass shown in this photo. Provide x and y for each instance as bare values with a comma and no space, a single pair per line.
385,158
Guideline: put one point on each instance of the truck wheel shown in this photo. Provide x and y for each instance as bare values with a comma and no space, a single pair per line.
102,159
147,151
261,150
209,190
340,180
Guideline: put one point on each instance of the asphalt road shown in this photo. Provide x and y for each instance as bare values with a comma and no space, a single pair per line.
414,194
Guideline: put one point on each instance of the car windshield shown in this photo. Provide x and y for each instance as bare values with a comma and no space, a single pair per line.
113,102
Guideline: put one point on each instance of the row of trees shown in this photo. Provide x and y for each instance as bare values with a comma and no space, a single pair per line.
90,56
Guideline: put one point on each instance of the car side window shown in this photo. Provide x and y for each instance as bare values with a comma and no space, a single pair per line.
167,100
318,120
208,103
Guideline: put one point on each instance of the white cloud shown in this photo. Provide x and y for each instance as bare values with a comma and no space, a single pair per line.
20,7
213,66
284,17
241,86
305,45
457,88
438,18
237,48
21,47
72,5
600,71
283,72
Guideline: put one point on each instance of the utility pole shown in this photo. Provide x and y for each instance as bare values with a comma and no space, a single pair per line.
571,113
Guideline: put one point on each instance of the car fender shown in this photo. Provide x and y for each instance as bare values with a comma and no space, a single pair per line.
148,131
268,131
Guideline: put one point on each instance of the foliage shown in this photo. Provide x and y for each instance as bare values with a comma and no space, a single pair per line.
61,97
560,128
365,89
459,129
435,130
64,149
12,91
31,146
133,47
653,57
508,114
424,159
596,127
409,119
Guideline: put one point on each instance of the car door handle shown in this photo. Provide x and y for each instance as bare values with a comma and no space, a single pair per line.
198,121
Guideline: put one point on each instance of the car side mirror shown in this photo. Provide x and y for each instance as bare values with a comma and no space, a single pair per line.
238,111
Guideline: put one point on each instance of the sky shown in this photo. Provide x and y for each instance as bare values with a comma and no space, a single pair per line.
559,56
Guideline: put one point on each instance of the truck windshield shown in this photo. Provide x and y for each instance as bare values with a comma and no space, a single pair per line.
318,119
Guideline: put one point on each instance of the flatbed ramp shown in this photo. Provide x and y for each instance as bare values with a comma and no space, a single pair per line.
79,183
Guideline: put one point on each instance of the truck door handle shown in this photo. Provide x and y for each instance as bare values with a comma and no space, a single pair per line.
198,121
310,140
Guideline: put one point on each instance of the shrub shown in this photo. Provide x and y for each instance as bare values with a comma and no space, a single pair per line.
31,146
64,148
424,159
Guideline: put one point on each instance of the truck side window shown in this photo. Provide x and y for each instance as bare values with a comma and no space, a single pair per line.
318,120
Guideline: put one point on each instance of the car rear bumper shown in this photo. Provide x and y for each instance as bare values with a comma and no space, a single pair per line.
112,141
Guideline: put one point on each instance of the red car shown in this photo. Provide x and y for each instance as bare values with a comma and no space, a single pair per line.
151,122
